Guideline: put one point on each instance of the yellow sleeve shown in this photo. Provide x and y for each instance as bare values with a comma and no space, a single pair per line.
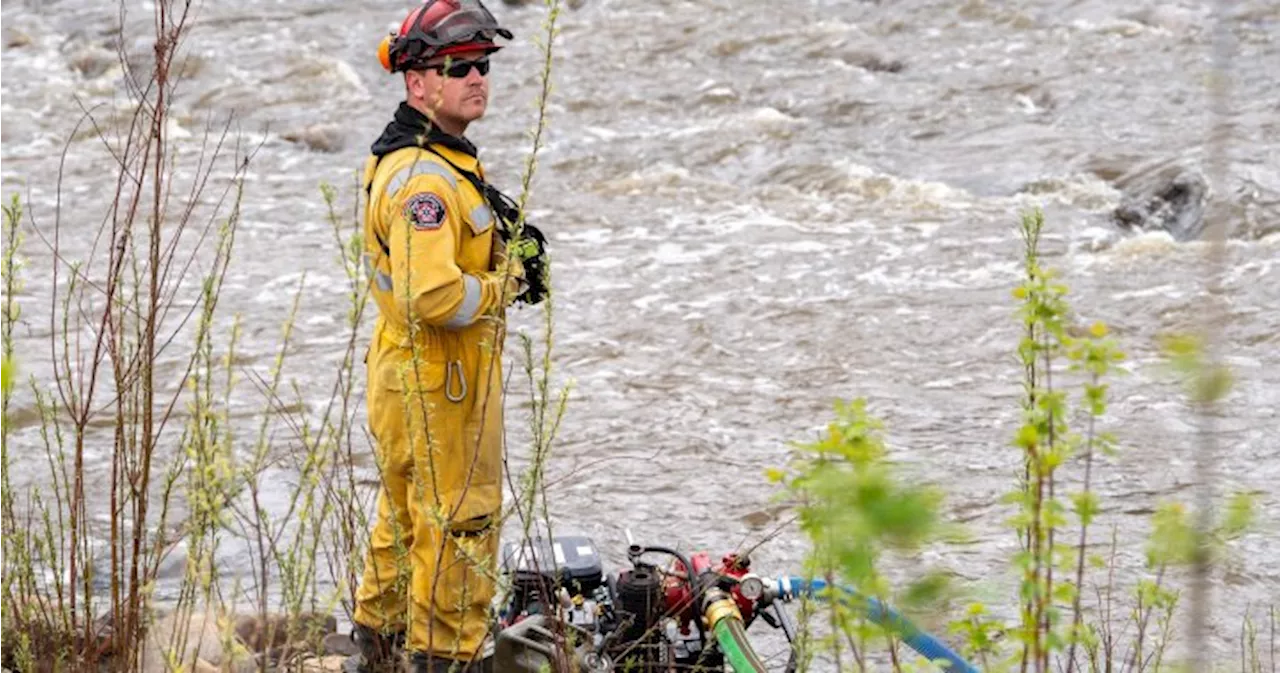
425,225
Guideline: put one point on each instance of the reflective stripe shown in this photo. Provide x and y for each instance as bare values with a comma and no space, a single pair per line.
481,218
381,279
420,167
470,304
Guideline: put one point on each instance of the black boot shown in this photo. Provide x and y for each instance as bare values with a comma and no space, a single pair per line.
420,662
379,652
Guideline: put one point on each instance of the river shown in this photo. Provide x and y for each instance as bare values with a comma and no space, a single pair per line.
755,208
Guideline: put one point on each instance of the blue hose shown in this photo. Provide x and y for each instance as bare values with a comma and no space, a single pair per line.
926,645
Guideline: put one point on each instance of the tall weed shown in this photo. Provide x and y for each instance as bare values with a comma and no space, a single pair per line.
1071,612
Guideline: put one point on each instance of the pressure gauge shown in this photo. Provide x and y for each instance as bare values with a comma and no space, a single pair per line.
751,587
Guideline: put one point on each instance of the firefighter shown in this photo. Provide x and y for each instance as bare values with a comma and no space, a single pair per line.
442,281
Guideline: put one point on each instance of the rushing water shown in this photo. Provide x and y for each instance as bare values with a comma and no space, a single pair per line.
754,210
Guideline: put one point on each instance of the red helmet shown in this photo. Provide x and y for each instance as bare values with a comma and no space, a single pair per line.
439,28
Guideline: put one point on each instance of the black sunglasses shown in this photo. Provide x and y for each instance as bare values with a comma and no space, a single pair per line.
459,69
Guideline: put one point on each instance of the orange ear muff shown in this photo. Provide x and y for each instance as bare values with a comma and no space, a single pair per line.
384,53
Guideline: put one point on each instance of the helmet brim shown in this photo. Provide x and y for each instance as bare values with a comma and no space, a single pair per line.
486,47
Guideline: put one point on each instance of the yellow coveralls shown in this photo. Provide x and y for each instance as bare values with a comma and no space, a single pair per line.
435,401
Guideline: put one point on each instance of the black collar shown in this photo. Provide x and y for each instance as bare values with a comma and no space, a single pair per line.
411,128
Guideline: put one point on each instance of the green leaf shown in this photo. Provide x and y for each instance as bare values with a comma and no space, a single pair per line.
1086,506
1064,592
1027,437
1239,516
1213,383
1173,540
7,376
926,591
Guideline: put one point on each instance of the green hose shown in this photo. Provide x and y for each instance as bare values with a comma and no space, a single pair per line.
732,638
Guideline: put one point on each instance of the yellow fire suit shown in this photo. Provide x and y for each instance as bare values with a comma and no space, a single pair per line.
441,283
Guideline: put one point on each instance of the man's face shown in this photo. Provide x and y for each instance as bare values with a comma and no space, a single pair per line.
455,99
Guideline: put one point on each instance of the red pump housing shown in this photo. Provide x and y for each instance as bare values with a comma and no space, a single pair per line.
679,600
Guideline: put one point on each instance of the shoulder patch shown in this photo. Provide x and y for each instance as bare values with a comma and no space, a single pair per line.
425,211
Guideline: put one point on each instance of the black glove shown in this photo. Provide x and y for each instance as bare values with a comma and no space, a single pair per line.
535,267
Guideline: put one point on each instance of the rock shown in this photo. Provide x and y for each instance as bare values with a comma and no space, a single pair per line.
207,644
339,644
1172,199
232,644
870,61
14,38
876,63
761,518
1174,196
329,664
92,61
757,519
264,635
319,137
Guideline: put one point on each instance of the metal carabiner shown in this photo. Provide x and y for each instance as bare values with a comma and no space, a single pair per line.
448,378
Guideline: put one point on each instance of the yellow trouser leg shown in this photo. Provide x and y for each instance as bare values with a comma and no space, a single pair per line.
452,588
382,599
448,575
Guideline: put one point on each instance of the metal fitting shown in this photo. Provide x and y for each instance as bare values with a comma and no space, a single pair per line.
719,605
